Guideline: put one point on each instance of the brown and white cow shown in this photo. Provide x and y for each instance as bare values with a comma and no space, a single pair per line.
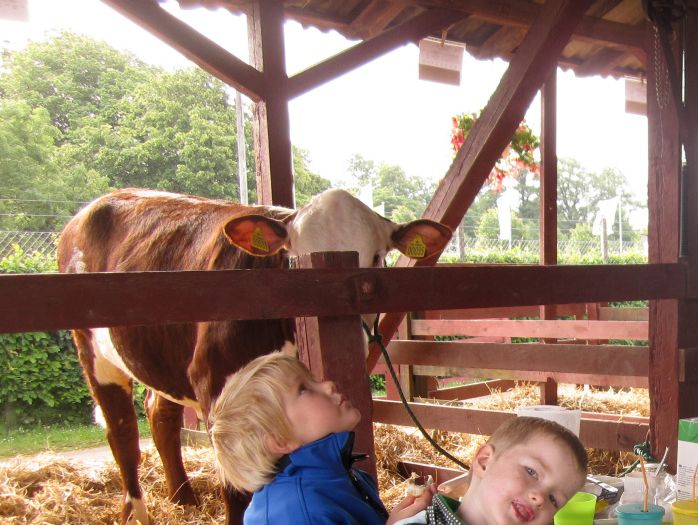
187,364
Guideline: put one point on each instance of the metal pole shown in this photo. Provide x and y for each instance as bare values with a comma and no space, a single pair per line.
242,154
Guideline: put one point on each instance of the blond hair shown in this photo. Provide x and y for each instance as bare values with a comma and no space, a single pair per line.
248,415
518,430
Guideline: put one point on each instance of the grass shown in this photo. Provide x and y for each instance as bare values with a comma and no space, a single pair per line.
58,438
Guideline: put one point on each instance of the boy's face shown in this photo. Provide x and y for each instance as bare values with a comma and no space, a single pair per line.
527,483
315,410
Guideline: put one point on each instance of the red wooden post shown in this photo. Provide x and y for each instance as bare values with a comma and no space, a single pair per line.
548,206
265,22
672,322
334,348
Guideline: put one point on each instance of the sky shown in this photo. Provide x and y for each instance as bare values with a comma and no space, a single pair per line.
381,110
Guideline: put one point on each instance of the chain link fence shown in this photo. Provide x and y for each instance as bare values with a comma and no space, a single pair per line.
29,242
532,247
45,243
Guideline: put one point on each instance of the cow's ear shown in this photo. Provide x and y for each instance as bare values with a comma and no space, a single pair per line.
421,239
256,234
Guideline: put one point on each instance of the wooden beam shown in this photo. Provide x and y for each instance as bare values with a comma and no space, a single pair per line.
52,301
556,329
532,376
663,230
271,121
594,433
374,18
525,14
619,360
530,67
333,349
473,390
204,52
411,31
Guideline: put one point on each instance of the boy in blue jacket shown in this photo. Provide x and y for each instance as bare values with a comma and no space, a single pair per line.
287,438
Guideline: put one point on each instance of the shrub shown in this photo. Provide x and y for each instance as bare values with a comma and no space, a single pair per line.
41,377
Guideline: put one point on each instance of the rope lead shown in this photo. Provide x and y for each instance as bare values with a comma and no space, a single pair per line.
376,337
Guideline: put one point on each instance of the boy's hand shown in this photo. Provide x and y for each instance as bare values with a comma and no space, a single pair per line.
411,505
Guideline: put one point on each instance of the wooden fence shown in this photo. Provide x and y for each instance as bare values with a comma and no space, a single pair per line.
477,343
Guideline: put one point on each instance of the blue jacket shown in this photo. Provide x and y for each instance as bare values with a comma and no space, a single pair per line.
317,486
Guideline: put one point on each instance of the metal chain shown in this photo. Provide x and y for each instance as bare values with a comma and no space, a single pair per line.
661,74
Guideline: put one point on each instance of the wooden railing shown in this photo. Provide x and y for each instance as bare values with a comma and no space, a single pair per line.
572,350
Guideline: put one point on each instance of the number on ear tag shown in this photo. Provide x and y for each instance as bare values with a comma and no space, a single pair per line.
258,240
416,248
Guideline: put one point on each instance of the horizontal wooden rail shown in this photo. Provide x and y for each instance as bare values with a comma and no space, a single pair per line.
594,433
479,389
499,312
616,360
601,380
524,328
52,301
608,313
600,365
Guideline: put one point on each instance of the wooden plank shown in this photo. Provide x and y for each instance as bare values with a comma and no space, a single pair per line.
480,389
411,31
524,14
535,58
578,359
663,233
608,313
438,474
594,433
500,312
533,328
196,47
548,208
54,301
374,18
271,121
602,380
333,349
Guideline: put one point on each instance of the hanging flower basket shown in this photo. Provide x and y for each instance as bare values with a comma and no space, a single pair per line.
518,156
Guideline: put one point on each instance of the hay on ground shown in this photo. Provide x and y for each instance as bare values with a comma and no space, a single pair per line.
46,489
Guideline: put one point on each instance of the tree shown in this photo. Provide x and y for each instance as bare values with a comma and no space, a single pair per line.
307,184
77,79
27,171
404,197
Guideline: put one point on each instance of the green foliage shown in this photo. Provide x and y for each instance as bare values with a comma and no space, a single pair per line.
19,262
377,382
307,184
42,382
404,197
41,378
29,441
78,118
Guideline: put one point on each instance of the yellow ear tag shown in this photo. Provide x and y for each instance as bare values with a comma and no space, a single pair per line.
258,240
416,248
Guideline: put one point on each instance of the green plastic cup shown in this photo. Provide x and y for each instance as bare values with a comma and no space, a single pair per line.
579,510
685,512
633,514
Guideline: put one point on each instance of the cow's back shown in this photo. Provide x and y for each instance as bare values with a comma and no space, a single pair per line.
141,230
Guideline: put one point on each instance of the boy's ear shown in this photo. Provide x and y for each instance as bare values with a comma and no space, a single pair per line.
482,459
281,448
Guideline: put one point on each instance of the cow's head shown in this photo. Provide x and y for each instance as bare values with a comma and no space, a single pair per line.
337,221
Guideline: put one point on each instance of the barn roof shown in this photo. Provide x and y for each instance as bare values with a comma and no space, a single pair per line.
610,40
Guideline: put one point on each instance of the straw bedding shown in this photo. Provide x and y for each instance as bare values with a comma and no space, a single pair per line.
47,489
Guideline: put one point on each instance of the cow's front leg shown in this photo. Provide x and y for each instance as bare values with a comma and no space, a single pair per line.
235,505
165,418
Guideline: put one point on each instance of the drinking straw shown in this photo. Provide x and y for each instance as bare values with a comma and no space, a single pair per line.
661,463
645,507
693,493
